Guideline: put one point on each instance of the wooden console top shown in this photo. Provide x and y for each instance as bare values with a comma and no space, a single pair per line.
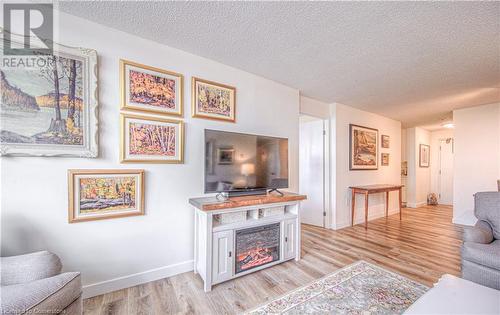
376,188
211,203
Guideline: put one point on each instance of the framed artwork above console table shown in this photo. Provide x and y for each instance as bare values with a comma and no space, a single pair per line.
241,235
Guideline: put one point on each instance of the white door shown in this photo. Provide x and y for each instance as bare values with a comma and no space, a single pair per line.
223,256
446,172
289,239
311,170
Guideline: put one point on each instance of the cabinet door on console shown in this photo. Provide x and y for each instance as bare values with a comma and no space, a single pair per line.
290,238
223,252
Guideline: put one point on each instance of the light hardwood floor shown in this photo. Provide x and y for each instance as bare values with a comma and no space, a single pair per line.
423,246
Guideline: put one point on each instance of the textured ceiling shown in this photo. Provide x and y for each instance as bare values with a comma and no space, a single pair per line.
411,61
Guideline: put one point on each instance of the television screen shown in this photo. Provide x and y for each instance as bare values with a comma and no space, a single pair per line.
238,162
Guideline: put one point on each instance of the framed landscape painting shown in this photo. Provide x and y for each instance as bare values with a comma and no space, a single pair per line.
49,107
385,141
384,159
424,156
363,148
148,89
213,100
105,194
151,140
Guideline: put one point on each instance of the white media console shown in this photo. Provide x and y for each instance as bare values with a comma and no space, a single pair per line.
244,234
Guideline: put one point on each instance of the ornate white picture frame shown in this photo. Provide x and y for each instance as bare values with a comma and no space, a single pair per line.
33,123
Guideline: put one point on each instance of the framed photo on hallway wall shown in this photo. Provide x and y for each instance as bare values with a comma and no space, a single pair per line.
105,194
424,155
384,159
385,141
363,148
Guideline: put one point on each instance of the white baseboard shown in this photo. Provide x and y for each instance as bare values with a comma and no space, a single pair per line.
136,279
415,204
468,220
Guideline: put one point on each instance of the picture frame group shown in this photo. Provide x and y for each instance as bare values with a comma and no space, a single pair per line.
149,89
54,112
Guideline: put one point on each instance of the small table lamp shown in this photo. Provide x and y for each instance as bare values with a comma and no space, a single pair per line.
247,169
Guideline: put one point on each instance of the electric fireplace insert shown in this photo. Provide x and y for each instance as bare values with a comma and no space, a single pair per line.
257,246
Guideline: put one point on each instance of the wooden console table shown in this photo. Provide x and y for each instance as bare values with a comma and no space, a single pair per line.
374,189
215,240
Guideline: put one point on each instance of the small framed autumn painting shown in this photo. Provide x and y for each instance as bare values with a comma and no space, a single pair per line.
148,89
384,159
213,100
151,140
105,194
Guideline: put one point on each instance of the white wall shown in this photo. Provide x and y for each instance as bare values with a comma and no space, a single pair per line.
411,158
477,157
436,137
419,178
403,145
34,190
343,177
315,108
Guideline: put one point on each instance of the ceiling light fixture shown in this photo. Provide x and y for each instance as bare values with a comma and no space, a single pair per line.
448,125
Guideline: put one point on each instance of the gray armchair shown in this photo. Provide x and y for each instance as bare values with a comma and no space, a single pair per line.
33,284
481,247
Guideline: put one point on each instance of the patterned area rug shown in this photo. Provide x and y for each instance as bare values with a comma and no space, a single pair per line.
360,288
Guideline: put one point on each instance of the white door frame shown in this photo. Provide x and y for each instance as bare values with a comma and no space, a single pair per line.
326,170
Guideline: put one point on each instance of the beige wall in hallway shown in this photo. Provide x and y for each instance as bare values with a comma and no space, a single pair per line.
419,178
436,137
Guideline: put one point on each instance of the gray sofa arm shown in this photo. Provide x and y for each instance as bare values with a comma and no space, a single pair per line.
29,267
45,296
480,233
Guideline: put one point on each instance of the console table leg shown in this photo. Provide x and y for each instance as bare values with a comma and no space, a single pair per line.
353,205
400,202
386,204
366,210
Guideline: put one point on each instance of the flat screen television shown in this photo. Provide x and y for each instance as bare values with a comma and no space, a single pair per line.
242,164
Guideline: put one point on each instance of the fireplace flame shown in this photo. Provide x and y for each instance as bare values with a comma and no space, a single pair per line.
255,257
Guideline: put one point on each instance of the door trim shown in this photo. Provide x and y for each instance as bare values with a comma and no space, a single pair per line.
327,217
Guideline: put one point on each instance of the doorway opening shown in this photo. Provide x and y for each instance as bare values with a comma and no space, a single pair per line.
445,175
313,170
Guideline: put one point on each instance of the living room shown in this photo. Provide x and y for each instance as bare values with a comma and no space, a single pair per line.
142,142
